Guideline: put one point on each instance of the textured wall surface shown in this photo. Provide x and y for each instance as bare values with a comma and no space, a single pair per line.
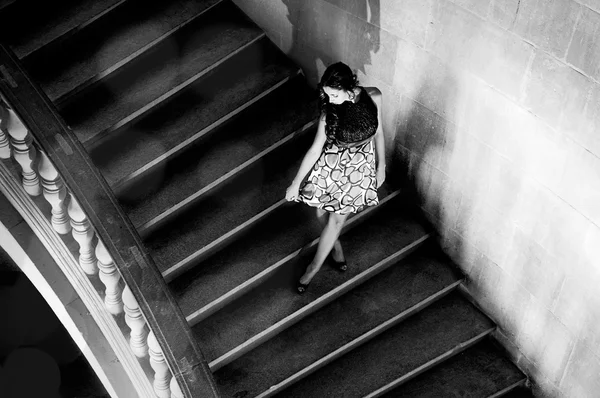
494,106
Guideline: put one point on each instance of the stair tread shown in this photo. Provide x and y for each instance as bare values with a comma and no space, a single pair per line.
259,127
387,231
479,371
226,270
441,327
163,68
107,41
26,31
519,392
225,208
405,284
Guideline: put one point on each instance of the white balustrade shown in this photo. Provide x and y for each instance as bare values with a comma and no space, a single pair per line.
55,193
162,374
136,322
84,234
175,390
24,153
109,275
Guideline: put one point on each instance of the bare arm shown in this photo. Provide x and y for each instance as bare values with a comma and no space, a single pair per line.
379,137
309,160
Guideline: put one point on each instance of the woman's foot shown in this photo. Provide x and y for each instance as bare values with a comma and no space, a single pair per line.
337,261
305,279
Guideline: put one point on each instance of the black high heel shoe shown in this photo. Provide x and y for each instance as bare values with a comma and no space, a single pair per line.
341,266
301,288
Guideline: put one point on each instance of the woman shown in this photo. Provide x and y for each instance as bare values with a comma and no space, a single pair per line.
346,161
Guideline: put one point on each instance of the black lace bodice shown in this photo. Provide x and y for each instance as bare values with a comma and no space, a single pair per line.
352,122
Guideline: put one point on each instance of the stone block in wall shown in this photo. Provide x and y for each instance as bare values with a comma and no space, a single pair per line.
582,124
479,7
535,269
504,12
370,49
580,185
493,54
547,155
505,185
593,4
584,51
320,26
581,376
558,344
495,235
548,24
554,87
407,19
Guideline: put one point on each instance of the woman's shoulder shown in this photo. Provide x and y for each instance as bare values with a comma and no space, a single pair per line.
373,92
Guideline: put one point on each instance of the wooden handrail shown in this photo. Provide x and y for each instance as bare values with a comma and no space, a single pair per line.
113,227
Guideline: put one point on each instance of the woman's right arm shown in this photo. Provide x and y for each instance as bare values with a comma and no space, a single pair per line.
309,160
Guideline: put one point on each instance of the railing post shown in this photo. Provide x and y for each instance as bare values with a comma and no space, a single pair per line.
24,153
162,374
137,324
55,193
83,234
175,389
111,278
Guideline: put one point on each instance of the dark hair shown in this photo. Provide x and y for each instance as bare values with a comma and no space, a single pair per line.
338,76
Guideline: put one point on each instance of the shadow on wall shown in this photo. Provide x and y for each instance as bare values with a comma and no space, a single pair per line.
424,146
341,36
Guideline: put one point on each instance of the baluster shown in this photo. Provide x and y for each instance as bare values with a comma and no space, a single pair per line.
55,193
83,234
109,275
175,390
136,322
24,153
4,147
162,375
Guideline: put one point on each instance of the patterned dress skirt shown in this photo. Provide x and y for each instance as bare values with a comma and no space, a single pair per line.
343,180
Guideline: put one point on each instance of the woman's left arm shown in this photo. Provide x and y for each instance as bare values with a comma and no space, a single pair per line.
379,138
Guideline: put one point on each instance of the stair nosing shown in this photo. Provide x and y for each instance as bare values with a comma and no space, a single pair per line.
430,364
509,388
183,265
218,303
313,306
74,29
65,97
94,140
358,341
145,228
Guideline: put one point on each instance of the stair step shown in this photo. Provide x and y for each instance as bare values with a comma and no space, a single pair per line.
27,25
480,371
386,299
191,114
441,330
195,70
229,274
255,190
517,392
108,42
225,151
269,309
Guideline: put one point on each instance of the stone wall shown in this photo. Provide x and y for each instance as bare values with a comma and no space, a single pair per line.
494,107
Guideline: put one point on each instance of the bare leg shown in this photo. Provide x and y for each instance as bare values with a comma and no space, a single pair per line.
326,242
337,253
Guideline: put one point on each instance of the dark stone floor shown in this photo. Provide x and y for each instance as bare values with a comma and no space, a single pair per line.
38,358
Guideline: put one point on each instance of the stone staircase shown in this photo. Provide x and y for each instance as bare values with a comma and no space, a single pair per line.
198,123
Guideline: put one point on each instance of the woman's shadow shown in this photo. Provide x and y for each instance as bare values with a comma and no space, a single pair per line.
335,30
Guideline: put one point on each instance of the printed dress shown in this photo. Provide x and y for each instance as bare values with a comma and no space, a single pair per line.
343,180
